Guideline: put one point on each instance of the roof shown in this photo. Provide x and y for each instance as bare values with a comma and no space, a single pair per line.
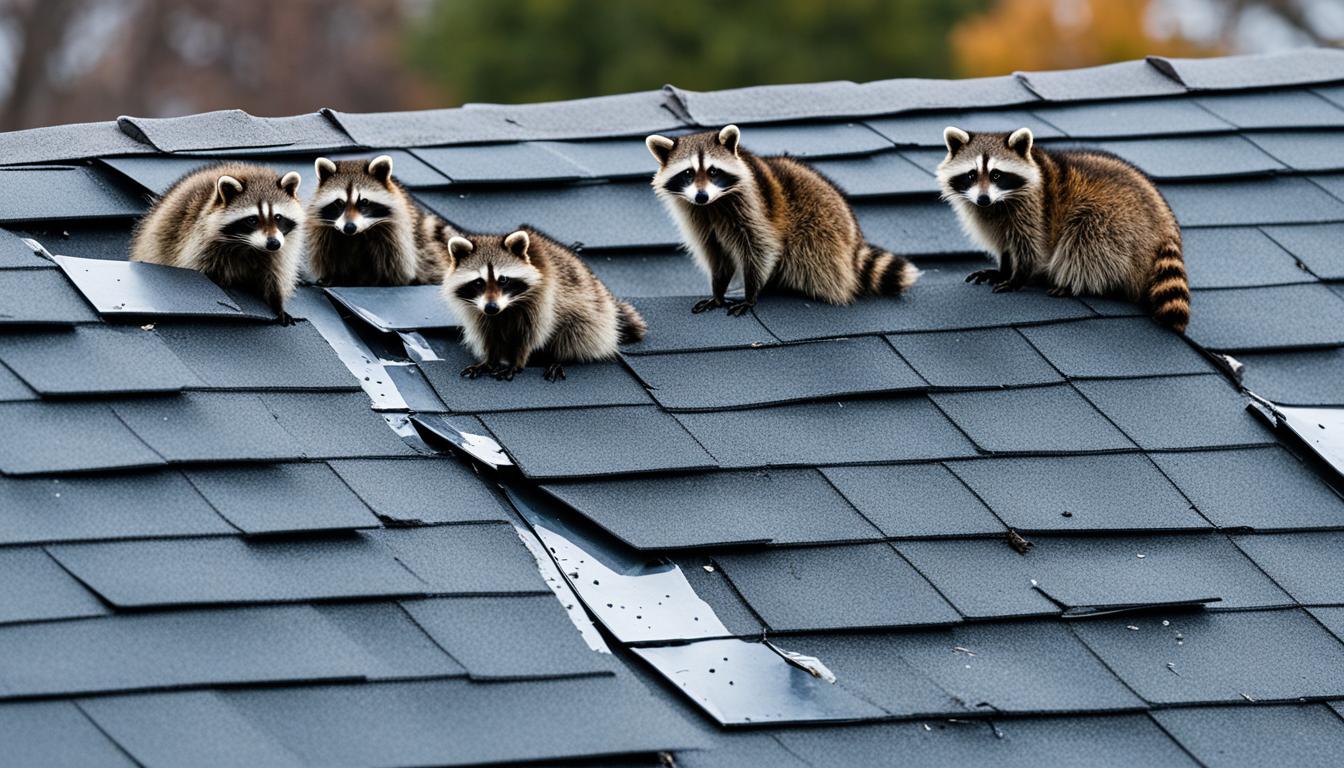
225,541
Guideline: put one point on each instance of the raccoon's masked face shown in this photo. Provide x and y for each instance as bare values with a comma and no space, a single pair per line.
490,277
258,218
700,168
986,169
353,198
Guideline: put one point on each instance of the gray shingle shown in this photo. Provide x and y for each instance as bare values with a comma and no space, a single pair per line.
517,162
1178,412
987,578
856,586
421,491
739,683
941,306
672,327
705,510
1333,620
1079,493
479,559
585,384
334,425
509,638
1051,419
1115,348
914,500
16,254
74,141
711,585
1275,200
67,437
1307,565
813,140
1239,257
95,360
186,728
597,441
399,647
957,359
1195,157
1141,117
400,308
648,274
160,650
696,381
223,129
1279,108
1229,656
258,356
1330,182
1316,246
915,226
1267,318
741,748
171,572
858,432
1301,150
159,172
885,173
56,733
926,130
48,193
118,288
594,215
1261,488
1296,378
216,426
12,388
35,588
87,238
1262,70
1306,735
40,297
282,498
606,158
140,505
545,720
1122,80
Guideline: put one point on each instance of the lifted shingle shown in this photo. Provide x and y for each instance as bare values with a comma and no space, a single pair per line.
1121,80
1264,70
421,491
120,288
400,308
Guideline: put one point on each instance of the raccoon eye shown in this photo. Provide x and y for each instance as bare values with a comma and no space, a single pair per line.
972,175
503,280
252,221
478,282
362,205
280,219
994,175
713,172
688,173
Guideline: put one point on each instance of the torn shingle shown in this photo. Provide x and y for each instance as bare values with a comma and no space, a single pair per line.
1239,257
40,297
93,360
421,491
67,437
815,434
914,500
1115,348
1176,413
56,733
120,288
715,509
856,586
1258,488
1121,492
400,308
704,381
282,498
35,588
956,359
1051,419
47,193
1122,80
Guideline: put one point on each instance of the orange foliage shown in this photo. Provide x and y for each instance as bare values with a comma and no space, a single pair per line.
1061,34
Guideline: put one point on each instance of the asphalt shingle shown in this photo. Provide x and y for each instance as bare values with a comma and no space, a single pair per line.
124,288
223,129
1249,319
1052,419
1239,257
1108,348
1306,565
93,360
1315,246
478,559
282,498
1310,377
518,162
40,297
1305,735
1122,80
1176,413
926,130
46,193
672,327
1273,200
334,425
37,589
16,254
1139,117
885,173
1264,70
399,308
1279,108
216,426
1196,157
57,732
919,500
584,385
1259,488
421,491
68,437
956,359
229,356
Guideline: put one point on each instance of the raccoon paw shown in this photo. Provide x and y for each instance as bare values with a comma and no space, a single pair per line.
475,371
1059,292
1007,286
704,305
506,373
986,276
740,308
554,372
284,318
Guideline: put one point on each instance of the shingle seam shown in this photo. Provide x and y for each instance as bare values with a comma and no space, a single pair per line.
1068,626
1179,744
831,484
192,484
1296,603
106,734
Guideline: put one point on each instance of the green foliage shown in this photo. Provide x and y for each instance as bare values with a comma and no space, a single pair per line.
539,50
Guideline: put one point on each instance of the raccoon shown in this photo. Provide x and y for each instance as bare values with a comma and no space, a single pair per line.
525,294
775,220
237,223
1082,222
364,229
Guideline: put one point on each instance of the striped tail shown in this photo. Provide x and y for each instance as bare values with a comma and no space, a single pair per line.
1168,289
629,325
883,273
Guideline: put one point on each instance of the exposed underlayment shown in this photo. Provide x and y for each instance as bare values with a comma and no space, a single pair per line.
956,528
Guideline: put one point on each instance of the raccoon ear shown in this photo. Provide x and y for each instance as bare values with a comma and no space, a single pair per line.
517,243
226,189
380,168
729,137
660,147
460,247
324,169
955,139
290,183
1020,141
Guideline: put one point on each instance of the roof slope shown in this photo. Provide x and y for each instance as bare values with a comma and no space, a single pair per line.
214,551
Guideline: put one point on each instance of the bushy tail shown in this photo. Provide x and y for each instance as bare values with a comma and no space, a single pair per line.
1168,289
883,273
629,324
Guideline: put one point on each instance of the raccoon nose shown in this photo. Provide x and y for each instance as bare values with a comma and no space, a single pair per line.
701,197
982,200
491,308
350,228
272,244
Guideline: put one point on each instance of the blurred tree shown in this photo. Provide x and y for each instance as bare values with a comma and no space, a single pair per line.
1061,34
537,50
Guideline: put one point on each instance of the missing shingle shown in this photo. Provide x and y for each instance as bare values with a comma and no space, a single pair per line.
480,447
